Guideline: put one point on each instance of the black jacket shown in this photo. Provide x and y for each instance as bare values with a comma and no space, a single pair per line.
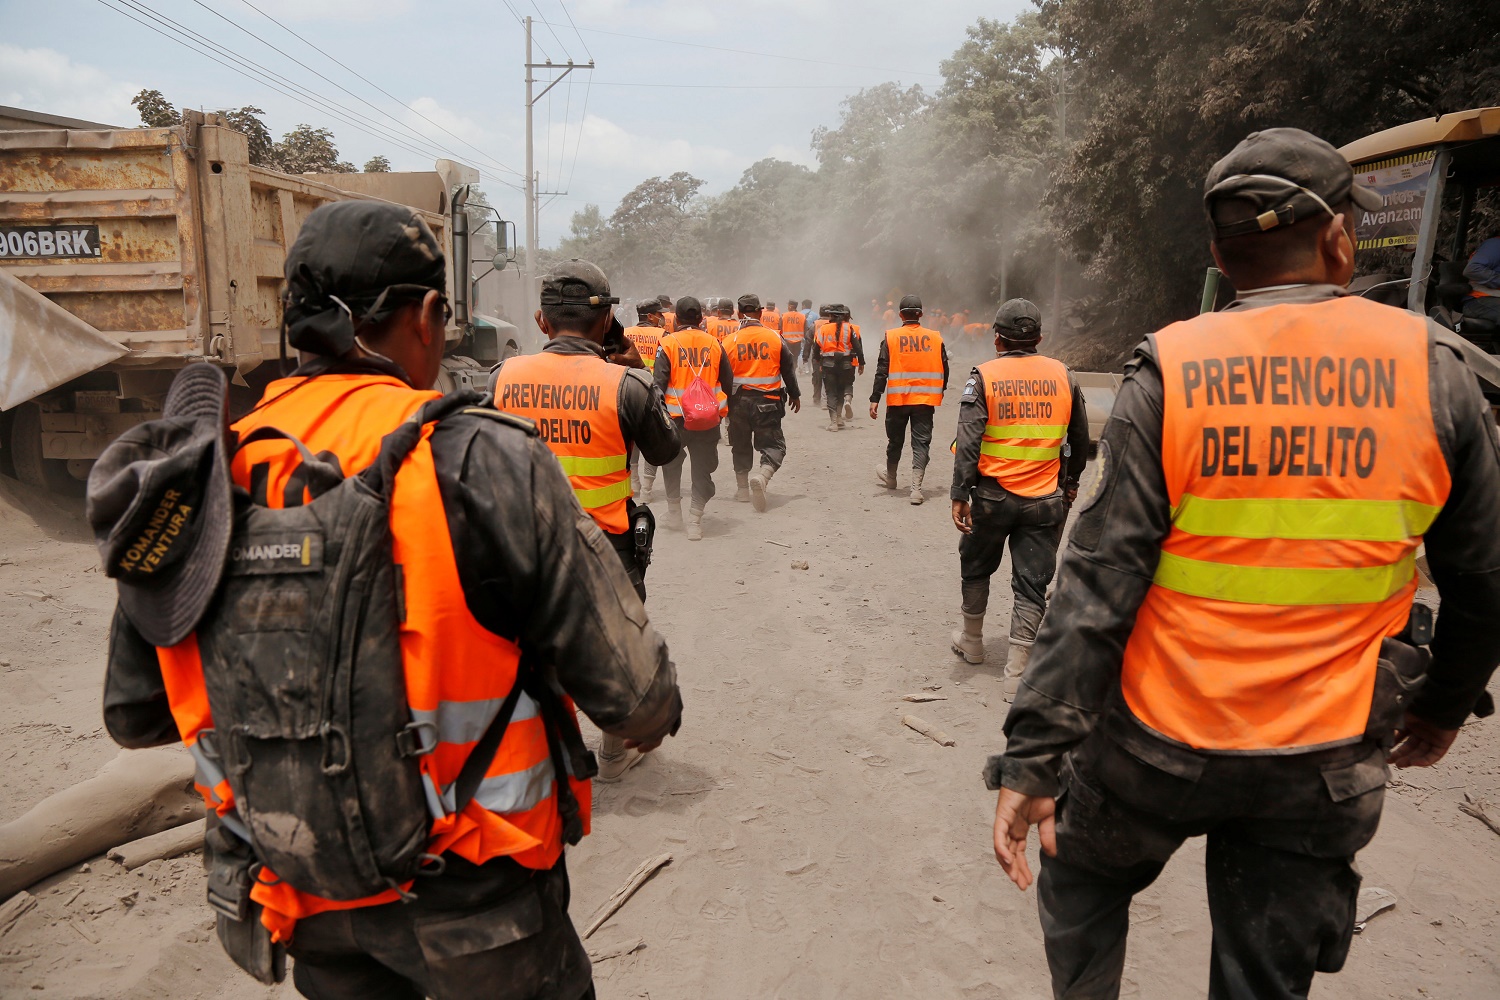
1074,671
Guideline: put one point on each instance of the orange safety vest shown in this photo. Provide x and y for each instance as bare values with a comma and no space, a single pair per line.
719,328
835,338
1302,467
574,400
755,355
916,366
793,326
770,318
457,672
1030,403
645,339
691,354
669,321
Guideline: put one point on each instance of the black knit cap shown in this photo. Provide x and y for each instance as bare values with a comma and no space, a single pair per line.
355,263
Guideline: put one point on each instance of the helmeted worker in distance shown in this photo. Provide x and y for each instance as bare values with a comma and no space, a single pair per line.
1233,649
765,383
496,587
836,351
1023,438
644,337
912,372
593,415
682,358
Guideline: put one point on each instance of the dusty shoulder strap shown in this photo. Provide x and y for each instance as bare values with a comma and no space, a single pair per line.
398,443
317,474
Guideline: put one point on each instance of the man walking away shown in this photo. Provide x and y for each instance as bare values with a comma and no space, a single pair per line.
833,352
1023,437
480,590
1233,650
644,336
793,329
682,358
605,413
809,347
765,378
769,317
668,317
912,371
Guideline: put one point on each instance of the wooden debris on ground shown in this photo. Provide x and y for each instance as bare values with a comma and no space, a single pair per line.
928,696
167,844
927,730
616,900
1479,809
608,952
14,909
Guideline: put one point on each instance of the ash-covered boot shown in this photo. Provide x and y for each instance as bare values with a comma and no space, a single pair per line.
674,513
742,487
758,483
1015,666
968,641
648,481
635,483
887,476
695,523
916,485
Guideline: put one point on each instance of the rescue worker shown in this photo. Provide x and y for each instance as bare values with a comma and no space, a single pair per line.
605,414
809,345
769,317
644,336
793,329
668,317
912,371
683,357
1023,439
834,350
765,383
1233,649
499,568
718,319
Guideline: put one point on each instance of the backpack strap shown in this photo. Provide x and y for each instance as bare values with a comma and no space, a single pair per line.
398,444
317,474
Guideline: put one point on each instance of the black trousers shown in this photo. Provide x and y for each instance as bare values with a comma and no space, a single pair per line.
817,383
896,419
703,448
755,426
1033,526
838,384
1282,833
496,930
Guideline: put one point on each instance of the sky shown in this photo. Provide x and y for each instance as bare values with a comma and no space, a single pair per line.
423,79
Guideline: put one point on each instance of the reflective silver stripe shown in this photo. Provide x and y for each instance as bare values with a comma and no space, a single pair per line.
437,804
904,390
517,791
236,825
911,375
771,382
465,721
208,774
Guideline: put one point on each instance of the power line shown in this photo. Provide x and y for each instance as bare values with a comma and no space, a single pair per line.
542,20
199,44
582,121
494,160
759,55
586,50
737,86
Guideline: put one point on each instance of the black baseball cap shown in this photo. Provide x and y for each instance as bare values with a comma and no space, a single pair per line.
1019,320
354,263
576,282
159,503
689,310
1282,176
911,302
749,303
649,307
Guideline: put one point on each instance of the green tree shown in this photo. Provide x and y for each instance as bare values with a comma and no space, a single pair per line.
308,150
377,165
250,121
156,111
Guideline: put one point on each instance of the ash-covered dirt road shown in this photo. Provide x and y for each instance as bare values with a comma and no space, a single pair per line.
821,849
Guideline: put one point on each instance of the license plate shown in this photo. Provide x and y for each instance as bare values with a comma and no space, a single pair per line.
34,242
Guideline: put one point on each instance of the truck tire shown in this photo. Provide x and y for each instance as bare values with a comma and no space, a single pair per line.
25,444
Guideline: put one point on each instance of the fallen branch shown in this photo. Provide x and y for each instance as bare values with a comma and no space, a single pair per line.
14,909
1479,809
773,541
635,881
617,951
925,728
924,697
167,844
138,793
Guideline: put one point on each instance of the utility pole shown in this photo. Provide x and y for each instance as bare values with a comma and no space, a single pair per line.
532,209
1062,145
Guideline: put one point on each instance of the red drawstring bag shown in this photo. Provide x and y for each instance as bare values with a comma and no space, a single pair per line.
700,406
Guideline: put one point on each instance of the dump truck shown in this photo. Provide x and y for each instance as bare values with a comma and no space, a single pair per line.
127,253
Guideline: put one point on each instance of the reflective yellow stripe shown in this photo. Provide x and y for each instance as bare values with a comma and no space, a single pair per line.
1012,451
1326,519
1026,431
574,465
603,496
1283,585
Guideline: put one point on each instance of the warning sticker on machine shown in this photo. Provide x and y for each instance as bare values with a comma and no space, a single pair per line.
49,241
